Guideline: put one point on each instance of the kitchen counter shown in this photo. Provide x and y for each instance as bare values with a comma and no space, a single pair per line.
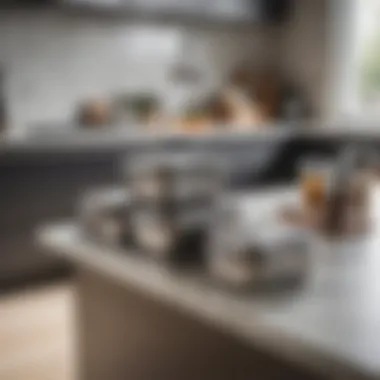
69,139
87,140
329,327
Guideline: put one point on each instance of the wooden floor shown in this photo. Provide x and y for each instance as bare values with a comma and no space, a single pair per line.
36,334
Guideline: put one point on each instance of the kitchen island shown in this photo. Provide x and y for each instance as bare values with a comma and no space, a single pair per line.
141,320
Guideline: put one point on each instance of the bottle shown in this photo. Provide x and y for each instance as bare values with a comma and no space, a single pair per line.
339,191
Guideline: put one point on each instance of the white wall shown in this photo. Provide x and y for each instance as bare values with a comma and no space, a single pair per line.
51,61
348,23
304,43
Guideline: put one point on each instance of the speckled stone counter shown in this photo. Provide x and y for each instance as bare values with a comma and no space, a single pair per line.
328,328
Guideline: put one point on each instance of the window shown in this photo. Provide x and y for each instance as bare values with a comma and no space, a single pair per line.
360,67
368,82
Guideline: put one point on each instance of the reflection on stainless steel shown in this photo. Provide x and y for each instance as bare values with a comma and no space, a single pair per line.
169,238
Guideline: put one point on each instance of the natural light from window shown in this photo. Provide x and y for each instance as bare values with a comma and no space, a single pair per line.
367,57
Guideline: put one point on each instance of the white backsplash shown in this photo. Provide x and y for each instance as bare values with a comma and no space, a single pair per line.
52,61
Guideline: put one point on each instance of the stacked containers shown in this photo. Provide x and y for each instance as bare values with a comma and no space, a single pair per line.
173,197
175,210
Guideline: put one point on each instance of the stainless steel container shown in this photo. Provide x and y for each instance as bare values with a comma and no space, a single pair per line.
173,196
178,238
105,216
244,253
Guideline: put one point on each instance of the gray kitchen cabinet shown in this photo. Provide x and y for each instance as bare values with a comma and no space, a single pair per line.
36,190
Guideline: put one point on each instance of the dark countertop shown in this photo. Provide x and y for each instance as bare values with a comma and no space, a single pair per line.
330,325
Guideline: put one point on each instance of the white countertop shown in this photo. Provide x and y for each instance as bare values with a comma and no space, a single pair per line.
331,324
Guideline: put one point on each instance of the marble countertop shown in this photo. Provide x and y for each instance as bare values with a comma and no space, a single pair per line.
331,324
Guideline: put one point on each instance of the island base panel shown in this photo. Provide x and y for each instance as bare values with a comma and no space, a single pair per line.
123,334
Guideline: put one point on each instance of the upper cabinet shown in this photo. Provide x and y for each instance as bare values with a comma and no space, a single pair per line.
245,12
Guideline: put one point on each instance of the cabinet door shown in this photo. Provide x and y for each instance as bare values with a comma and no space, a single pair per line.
36,192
